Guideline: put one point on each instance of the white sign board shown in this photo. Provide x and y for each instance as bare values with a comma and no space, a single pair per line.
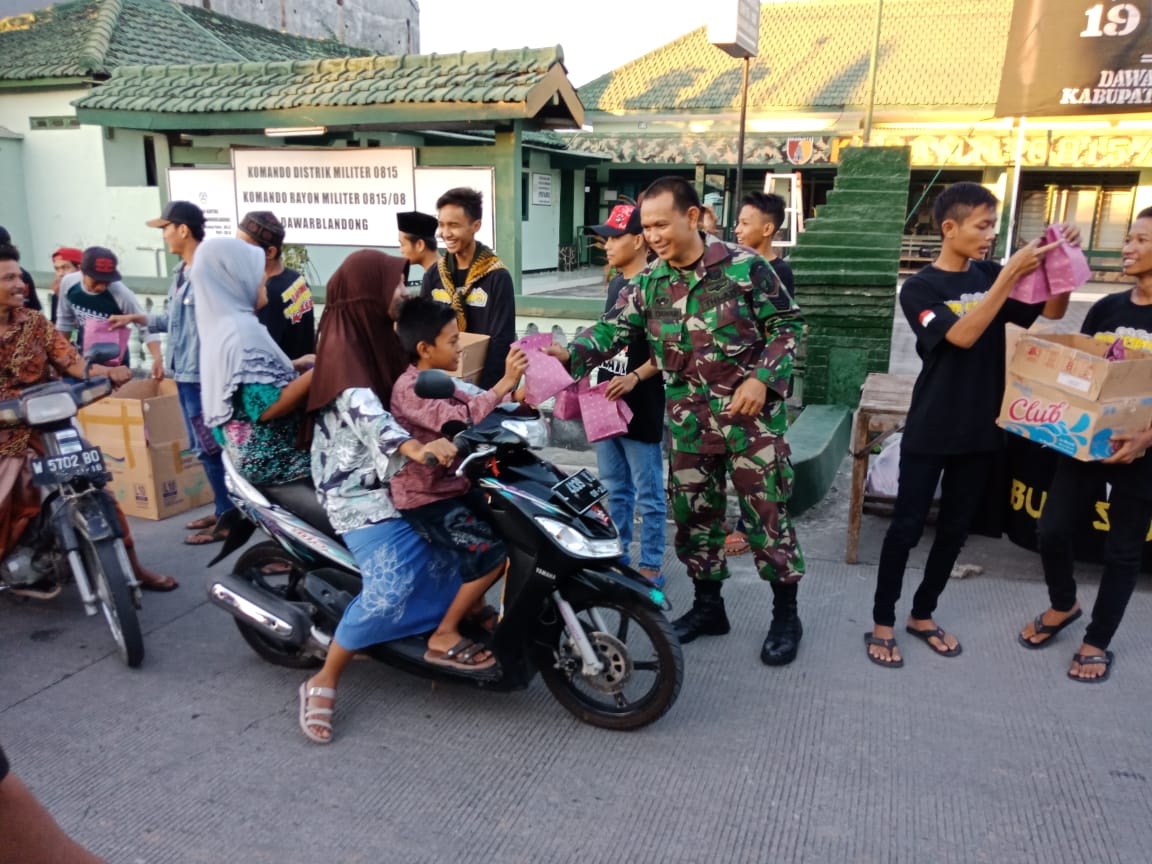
431,183
735,27
329,197
210,189
542,189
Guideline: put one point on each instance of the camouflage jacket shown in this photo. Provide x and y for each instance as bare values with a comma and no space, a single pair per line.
709,329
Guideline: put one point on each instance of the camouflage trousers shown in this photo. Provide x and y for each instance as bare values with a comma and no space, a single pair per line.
762,477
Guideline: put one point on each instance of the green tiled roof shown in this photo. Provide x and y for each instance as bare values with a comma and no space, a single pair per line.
489,77
95,37
814,56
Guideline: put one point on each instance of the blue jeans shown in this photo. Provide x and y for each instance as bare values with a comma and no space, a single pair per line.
204,445
633,471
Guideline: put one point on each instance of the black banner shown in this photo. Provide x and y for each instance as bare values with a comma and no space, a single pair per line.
1077,57
1030,470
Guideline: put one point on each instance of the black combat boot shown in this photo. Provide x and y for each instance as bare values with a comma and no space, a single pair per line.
783,640
706,617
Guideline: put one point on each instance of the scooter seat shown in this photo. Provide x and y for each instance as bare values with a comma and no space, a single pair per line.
299,499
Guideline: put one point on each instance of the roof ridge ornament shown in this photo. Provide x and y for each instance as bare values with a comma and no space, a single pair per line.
95,49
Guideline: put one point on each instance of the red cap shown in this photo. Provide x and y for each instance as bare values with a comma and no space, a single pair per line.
68,253
624,219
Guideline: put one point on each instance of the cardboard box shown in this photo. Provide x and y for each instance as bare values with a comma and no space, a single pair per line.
142,412
157,481
474,348
1061,393
140,429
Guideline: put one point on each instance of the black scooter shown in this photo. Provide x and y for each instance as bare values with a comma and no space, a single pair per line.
78,531
592,627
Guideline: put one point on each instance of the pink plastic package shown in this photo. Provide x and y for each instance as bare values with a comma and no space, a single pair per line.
567,404
1062,269
1065,266
1032,288
96,330
545,376
602,417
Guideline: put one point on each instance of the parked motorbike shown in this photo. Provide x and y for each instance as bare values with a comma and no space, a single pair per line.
78,530
593,628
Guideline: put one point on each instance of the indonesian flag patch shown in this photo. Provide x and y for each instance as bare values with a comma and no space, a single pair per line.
927,317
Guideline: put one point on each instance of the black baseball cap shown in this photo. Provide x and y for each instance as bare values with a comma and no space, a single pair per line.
624,219
264,228
181,213
100,264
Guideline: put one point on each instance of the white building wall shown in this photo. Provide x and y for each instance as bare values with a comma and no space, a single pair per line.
68,199
540,232
383,26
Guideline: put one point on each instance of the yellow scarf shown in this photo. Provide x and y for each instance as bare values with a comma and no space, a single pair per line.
484,262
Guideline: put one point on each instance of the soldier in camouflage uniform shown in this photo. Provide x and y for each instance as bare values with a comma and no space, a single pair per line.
724,329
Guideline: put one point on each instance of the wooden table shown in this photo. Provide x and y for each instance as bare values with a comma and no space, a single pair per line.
884,401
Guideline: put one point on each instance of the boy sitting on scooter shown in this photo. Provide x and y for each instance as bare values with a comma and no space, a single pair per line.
441,507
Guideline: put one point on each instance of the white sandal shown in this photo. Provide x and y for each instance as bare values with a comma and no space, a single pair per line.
315,716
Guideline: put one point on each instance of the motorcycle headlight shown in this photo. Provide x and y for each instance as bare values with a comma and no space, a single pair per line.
49,408
575,543
534,432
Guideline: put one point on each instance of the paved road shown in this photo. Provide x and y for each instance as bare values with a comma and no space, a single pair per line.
989,757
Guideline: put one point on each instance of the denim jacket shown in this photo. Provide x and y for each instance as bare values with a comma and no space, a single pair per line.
179,322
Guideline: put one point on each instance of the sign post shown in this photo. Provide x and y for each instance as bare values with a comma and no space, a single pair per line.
737,33
328,197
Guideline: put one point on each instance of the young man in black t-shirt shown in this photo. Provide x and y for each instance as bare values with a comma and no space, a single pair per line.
958,307
632,465
1126,315
757,225
287,300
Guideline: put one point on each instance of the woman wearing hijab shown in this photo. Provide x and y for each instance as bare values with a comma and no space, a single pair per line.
249,389
357,445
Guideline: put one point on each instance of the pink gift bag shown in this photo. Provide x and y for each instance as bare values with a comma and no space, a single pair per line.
1062,269
567,404
96,330
545,375
603,418
1065,266
1032,288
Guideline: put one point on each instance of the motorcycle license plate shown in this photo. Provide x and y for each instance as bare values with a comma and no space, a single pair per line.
88,462
580,491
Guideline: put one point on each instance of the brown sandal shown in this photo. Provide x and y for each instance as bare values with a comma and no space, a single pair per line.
204,538
201,523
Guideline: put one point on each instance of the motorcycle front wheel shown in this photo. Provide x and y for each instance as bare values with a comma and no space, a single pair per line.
102,562
270,568
643,664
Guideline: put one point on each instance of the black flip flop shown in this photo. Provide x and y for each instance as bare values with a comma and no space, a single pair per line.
461,656
1046,630
1090,660
937,633
869,639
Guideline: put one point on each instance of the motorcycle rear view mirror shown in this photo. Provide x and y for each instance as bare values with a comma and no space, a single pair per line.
434,384
100,353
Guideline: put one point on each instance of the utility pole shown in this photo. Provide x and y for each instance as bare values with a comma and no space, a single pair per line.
873,66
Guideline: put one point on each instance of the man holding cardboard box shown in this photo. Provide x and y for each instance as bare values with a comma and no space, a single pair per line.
1121,319
958,308
473,281
183,225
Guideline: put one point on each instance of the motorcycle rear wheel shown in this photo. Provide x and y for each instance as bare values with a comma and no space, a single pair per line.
638,646
250,566
110,583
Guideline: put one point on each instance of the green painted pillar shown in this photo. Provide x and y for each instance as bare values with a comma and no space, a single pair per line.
509,198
